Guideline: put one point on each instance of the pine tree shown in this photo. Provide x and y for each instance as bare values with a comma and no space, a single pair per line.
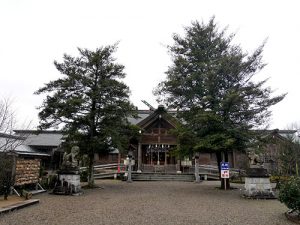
211,83
90,101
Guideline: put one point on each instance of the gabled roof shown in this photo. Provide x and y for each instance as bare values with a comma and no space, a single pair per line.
3,135
289,133
26,150
42,138
286,134
277,135
160,112
15,144
144,115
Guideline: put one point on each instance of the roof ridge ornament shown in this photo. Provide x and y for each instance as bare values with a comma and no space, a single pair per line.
161,108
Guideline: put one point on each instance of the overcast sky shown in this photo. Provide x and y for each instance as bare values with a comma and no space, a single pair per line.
34,33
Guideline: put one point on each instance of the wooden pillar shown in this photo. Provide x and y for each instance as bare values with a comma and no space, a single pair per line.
166,162
178,165
139,157
151,162
119,162
197,177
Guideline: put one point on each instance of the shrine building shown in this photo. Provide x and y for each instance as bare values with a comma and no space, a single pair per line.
156,146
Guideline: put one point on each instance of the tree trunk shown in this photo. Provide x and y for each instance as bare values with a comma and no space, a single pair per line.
91,181
5,196
220,159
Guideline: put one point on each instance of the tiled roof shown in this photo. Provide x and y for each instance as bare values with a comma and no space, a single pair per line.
16,145
290,134
143,114
42,138
27,150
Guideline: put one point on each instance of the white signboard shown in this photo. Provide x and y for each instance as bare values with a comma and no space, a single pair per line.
224,173
126,162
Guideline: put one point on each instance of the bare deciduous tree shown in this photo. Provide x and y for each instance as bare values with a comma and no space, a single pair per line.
8,144
290,152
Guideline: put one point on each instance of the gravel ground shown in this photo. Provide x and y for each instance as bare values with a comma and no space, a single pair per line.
151,203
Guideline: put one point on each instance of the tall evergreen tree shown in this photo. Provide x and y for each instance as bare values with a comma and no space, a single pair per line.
210,83
90,101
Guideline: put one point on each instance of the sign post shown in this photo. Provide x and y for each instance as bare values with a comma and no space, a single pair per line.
225,172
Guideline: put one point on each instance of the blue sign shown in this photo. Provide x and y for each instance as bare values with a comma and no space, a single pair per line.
224,165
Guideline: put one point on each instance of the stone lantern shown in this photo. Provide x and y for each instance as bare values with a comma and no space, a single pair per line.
130,154
197,177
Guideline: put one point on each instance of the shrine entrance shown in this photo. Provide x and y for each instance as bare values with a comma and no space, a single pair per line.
157,144
158,154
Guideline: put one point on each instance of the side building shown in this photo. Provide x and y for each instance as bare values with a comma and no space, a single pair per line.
46,142
19,163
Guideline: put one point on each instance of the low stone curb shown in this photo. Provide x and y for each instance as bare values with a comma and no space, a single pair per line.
19,205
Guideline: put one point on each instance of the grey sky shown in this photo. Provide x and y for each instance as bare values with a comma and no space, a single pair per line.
34,33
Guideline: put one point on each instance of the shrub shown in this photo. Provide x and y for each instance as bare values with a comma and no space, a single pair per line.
290,194
279,180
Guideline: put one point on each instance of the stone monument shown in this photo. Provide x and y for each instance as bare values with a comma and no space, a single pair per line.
257,180
68,176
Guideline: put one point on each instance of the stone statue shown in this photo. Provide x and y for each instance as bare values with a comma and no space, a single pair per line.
70,160
254,160
257,180
68,176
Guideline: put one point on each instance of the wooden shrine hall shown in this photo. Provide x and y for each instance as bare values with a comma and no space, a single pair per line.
155,150
156,143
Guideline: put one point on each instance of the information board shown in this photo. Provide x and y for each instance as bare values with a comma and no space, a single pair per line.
225,170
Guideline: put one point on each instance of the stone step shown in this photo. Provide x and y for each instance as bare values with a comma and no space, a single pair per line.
162,177
156,176
166,177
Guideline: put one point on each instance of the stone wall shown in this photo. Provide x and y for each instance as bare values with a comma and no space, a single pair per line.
27,171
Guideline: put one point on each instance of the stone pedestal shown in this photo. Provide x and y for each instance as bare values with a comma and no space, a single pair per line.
68,183
257,184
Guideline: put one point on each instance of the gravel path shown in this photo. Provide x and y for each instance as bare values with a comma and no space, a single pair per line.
150,203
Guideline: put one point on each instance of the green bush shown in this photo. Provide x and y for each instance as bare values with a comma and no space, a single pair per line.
290,194
279,180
